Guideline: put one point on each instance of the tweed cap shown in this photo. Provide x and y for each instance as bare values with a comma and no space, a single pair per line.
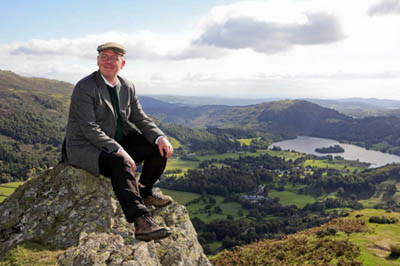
116,47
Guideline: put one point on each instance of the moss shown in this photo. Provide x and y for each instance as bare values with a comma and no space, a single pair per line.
161,252
31,253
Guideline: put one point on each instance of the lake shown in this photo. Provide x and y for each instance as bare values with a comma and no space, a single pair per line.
308,145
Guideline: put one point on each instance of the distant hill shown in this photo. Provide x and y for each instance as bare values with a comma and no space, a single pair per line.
33,114
201,100
360,107
289,118
354,107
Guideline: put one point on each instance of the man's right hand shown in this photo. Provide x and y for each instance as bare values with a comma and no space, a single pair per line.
127,156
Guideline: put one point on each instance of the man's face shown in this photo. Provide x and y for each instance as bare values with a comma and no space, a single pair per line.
110,63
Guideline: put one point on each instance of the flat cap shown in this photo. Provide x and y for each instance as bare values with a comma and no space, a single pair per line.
116,47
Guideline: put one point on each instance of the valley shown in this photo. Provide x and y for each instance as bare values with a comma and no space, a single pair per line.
237,188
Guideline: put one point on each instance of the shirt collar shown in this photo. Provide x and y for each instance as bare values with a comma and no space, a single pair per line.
108,83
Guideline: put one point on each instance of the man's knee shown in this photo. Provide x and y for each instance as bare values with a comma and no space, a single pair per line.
114,163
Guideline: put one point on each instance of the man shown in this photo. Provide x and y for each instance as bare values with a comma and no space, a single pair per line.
108,133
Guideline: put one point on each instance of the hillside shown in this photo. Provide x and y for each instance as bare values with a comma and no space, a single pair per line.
289,118
33,113
353,240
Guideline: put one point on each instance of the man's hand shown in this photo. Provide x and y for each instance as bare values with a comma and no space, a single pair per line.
165,147
129,158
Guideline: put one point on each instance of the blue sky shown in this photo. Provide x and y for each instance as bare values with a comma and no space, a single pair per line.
247,49
24,20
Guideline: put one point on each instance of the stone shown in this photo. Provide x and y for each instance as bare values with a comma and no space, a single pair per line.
68,208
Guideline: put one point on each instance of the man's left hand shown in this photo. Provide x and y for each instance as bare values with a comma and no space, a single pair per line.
165,147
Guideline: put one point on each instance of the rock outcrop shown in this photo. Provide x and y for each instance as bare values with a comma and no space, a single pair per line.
69,208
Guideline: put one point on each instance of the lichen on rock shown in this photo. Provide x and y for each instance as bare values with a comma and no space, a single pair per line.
71,209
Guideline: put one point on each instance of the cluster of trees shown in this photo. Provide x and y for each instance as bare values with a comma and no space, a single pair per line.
240,230
331,149
236,176
361,185
17,164
200,139
32,128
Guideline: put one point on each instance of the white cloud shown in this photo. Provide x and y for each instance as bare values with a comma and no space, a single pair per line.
308,48
385,7
271,37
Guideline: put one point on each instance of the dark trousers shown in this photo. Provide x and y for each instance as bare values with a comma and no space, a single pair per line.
129,192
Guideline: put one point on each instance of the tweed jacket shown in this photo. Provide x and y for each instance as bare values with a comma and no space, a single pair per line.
92,122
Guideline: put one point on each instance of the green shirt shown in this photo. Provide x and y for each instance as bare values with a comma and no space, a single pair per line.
114,95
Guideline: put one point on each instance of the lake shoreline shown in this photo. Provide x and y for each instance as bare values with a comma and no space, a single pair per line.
307,144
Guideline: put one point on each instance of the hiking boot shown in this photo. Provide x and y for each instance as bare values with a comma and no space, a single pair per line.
146,229
157,199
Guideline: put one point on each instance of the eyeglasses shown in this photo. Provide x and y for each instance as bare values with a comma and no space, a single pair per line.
106,58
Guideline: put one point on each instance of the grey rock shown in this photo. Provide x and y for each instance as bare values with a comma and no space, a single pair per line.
68,208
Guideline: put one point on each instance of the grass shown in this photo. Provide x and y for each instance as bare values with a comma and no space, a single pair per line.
285,154
229,208
291,198
244,142
7,189
185,165
198,209
247,142
356,240
181,164
174,142
335,164
375,244
31,254
372,201
180,196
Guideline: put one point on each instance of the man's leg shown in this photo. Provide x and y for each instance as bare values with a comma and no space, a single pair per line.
125,186
119,170
137,146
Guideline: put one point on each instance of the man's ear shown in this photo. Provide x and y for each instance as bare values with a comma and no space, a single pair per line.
123,63
98,61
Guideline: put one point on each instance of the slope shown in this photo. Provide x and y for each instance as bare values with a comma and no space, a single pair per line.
352,240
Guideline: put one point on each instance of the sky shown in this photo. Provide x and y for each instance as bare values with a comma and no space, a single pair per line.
222,48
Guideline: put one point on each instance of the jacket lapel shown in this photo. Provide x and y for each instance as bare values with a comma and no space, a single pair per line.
104,91
123,96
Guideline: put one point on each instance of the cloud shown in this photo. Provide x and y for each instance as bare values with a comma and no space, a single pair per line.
271,37
385,7
199,51
142,45
77,47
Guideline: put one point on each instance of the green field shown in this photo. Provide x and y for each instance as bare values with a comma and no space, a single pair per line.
7,189
291,198
375,244
185,165
180,196
199,209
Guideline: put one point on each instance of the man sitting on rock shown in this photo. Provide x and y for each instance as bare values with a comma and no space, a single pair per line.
108,133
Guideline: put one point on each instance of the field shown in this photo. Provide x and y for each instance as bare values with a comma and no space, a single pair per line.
201,210
7,189
291,198
375,244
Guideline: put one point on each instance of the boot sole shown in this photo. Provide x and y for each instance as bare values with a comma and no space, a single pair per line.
156,235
